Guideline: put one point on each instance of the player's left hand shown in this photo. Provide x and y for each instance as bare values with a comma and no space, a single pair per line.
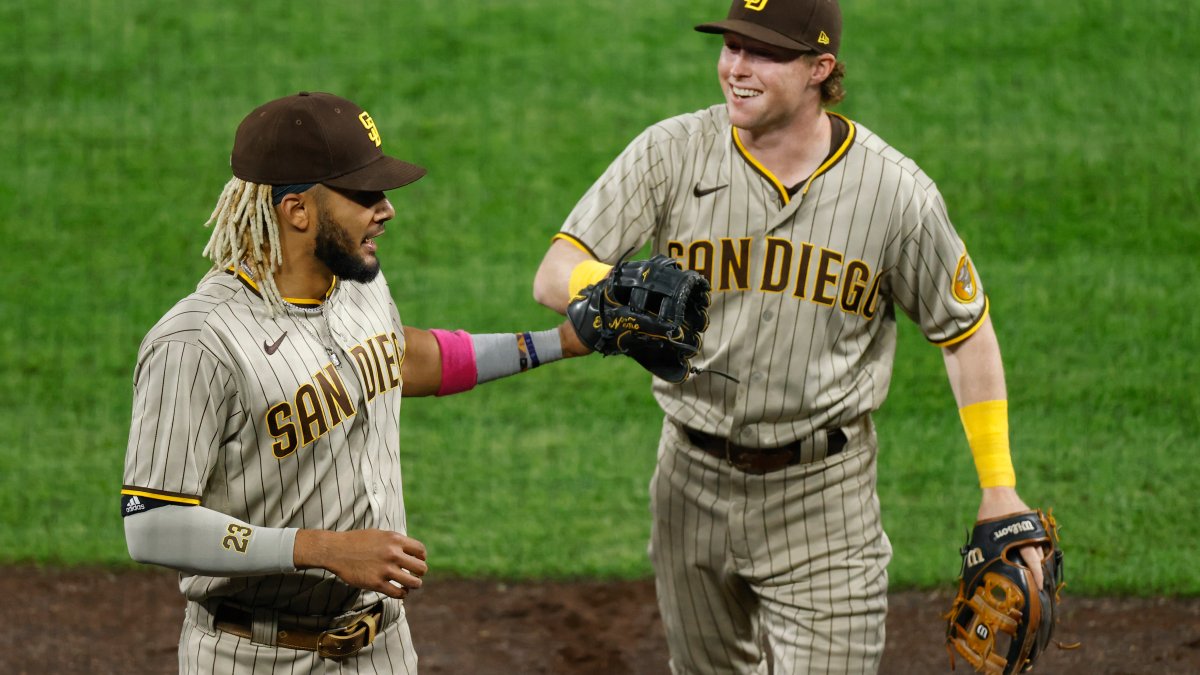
653,311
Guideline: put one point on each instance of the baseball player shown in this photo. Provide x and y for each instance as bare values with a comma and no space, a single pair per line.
812,230
264,452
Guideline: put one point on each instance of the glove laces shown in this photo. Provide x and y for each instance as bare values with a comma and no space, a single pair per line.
709,371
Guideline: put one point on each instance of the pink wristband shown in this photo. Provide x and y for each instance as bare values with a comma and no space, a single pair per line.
459,373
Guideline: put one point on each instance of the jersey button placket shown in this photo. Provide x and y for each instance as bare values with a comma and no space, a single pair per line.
736,516
372,488
338,333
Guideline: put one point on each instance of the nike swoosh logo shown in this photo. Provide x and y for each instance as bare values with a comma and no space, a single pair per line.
700,192
270,348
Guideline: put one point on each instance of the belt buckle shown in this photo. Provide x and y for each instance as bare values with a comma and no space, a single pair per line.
339,643
736,460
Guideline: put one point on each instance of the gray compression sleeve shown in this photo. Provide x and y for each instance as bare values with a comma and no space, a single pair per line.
502,354
197,540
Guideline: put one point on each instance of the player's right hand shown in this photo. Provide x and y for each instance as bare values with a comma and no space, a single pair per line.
571,344
1003,501
376,560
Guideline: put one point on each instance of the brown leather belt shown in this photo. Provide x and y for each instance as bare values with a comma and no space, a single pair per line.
334,643
763,460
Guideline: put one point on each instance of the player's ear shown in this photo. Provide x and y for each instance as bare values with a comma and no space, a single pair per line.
822,68
297,211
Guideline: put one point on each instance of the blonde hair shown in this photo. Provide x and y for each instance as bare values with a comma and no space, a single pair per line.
832,90
246,231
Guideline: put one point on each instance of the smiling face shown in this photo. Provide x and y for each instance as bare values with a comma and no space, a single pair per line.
347,224
767,87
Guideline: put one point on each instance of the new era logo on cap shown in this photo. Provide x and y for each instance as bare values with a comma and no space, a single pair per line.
316,138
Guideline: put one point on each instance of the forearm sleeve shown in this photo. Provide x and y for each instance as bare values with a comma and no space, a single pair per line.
198,540
468,360
499,355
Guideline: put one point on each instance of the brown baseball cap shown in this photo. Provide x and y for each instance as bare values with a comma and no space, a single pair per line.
316,138
803,25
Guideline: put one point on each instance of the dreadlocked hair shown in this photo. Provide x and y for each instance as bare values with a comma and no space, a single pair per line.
245,230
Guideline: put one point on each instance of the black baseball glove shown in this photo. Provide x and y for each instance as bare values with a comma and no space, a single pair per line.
652,310
1001,622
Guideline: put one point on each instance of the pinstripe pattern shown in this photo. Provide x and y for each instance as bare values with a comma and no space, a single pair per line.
805,286
799,554
286,439
803,364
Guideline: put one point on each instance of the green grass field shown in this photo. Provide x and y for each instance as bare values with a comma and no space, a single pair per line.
1063,136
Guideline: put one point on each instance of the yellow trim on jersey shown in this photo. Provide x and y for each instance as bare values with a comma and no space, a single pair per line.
833,159
987,305
760,168
166,497
299,302
574,242
851,132
241,274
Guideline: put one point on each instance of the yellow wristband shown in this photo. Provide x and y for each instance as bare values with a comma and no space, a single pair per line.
986,425
585,274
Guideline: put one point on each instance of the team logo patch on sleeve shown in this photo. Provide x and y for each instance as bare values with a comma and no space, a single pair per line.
965,286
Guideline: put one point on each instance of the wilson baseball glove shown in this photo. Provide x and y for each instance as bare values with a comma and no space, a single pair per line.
1001,622
651,310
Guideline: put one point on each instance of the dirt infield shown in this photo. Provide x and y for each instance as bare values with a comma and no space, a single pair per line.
99,621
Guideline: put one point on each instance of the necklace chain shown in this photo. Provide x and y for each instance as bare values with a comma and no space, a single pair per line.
309,311
331,351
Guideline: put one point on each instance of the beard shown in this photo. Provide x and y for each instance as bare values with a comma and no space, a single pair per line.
340,254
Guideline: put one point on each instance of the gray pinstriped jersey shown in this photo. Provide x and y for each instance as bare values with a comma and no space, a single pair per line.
253,417
803,286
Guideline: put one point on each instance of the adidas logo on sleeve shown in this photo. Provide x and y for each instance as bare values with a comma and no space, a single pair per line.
133,505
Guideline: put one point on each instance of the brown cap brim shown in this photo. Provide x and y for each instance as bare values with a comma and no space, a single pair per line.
757,32
385,173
